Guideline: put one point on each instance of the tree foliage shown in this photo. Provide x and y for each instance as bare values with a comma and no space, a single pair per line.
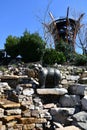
11,46
65,48
51,56
31,47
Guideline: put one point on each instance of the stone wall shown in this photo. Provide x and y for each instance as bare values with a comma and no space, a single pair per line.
24,106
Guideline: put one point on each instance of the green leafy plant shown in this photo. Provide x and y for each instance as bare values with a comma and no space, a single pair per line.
31,47
11,46
51,56
66,48
80,60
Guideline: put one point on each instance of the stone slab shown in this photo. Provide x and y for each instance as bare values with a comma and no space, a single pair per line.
9,118
52,91
13,112
68,128
12,77
32,120
28,126
8,104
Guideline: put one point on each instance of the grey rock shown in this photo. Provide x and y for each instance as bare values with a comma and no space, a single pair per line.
61,115
72,77
69,100
84,103
28,91
80,120
13,111
64,82
78,89
4,86
70,111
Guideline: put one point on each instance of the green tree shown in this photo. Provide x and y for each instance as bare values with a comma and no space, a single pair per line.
52,56
31,47
66,48
11,46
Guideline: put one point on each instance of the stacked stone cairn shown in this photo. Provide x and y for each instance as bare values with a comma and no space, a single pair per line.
26,106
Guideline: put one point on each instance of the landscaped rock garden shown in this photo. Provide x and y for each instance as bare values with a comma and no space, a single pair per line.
26,106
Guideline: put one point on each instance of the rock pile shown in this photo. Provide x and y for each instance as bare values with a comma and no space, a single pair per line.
24,106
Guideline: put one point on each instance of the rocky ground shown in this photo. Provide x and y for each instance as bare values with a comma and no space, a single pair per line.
25,106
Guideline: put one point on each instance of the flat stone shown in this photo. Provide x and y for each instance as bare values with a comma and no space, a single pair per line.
32,120
28,126
28,91
53,91
48,106
26,103
39,126
9,104
61,114
26,113
28,85
23,99
83,80
18,127
35,113
84,74
9,118
72,77
58,125
78,89
54,111
68,128
11,123
13,112
4,86
12,77
64,81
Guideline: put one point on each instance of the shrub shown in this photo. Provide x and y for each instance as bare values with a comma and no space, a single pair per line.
11,46
51,56
65,48
80,60
31,47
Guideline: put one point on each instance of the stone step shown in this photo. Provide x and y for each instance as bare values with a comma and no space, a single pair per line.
28,126
28,85
16,111
12,77
11,123
9,118
18,127
68,128
52,91
8,104
32,120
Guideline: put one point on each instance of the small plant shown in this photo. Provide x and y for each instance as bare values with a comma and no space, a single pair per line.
80,60
51,56
3,68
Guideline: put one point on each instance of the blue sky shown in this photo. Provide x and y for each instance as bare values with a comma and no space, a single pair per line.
18,15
